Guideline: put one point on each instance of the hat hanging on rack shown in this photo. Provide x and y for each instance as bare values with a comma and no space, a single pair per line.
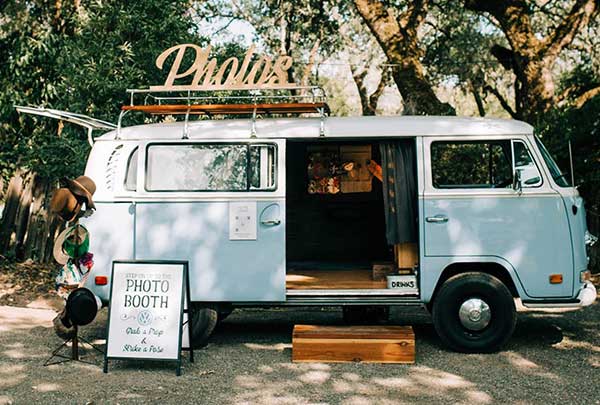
65,204
82,306
71,243
83,188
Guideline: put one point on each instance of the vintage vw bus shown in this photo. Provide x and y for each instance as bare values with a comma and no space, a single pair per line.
462,215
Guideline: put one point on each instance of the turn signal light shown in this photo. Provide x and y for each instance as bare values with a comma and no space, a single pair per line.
556,278
101,280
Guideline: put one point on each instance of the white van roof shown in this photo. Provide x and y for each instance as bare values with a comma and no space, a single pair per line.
334,127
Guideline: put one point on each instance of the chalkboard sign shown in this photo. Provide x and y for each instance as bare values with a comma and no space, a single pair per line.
145,317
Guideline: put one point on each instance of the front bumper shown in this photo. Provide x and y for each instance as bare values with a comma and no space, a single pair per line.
586,296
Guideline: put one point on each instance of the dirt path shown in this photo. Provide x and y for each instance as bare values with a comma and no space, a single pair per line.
554,358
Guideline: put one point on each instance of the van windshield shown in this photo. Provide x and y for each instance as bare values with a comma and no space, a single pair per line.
559,177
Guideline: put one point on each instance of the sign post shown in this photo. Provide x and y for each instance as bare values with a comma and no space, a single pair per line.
145,316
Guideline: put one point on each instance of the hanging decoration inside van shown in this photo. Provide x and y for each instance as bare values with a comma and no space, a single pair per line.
335,169
254,72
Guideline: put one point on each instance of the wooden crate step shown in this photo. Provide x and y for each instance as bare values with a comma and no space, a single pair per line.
344,344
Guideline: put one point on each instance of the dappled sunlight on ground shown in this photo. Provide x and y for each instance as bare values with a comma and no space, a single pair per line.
248,361
12,318
418,382
568,344
526,366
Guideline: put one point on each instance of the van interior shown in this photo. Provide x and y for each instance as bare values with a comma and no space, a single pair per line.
335,218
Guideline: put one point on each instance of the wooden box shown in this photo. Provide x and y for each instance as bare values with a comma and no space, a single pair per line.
344,344
406,254
383,269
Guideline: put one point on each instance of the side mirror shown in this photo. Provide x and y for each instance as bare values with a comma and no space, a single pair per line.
517,185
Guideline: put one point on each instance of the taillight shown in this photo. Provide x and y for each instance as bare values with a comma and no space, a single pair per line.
556,278
101,280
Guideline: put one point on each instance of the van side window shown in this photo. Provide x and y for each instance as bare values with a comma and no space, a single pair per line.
530,175
131,172
262,167
210,167
471,164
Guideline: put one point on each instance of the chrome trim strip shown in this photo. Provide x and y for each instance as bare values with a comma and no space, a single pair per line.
243,197
338,301
350,293
471,194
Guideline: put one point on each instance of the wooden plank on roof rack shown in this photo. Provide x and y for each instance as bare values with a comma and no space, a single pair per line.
215,109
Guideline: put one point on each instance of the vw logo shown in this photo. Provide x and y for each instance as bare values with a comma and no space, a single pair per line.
144,318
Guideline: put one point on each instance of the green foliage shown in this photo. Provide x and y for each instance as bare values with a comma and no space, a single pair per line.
582,128
79,59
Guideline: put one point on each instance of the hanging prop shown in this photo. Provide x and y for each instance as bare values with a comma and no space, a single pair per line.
71,251
333,169
68,201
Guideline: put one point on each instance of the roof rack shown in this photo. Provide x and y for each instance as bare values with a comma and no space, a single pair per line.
301,100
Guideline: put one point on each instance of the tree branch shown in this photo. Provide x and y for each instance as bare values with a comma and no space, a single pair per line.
585,97
374,97
415,14
563,35
223,28
475,92
359,75
502,100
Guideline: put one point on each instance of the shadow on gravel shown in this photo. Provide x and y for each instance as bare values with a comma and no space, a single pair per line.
248,361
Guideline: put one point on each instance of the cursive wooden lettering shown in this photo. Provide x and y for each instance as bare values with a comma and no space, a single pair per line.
263,72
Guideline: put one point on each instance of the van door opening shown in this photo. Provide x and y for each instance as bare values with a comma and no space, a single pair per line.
335,217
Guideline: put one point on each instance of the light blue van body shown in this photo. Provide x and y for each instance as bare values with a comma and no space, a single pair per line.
523,235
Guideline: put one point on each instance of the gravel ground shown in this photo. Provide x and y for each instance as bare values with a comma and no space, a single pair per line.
553,358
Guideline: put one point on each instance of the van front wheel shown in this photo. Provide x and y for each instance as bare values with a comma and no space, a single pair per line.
474,313
203,323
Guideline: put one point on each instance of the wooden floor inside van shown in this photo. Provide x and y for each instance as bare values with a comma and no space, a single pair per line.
300,279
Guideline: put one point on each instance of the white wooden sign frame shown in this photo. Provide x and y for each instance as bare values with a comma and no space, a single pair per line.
184,305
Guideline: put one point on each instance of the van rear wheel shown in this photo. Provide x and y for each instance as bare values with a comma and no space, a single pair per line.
474,313
203,323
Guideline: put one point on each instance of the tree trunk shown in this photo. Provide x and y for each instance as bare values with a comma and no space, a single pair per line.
376,95
22,218
532,57
359,79
11,206
398,37
478,101
537,90
368,103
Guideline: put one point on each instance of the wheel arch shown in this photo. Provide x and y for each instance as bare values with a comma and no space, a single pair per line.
492,268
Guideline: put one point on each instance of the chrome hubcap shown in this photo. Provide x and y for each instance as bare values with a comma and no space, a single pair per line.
474,314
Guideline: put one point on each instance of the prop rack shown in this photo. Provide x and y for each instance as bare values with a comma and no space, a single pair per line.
234,101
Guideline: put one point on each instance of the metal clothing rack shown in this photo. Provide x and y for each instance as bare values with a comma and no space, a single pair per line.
76,344
253,102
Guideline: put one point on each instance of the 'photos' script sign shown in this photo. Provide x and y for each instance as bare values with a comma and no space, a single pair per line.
205,73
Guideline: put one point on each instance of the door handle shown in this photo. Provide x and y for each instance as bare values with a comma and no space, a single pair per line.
271,222
438,219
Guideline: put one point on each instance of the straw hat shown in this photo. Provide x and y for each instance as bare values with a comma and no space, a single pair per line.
73,242
83,187
65,204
